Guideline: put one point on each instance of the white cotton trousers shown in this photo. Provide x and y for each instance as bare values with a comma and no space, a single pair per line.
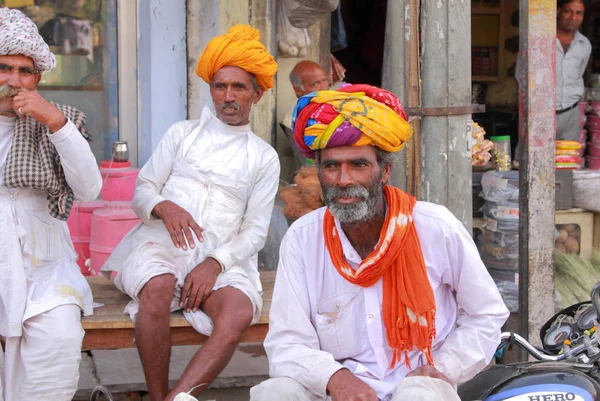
417,388
43,364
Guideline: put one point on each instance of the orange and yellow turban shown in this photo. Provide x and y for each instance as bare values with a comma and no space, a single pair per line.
240,47
353,115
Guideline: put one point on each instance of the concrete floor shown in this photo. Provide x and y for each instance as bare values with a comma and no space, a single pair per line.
121,372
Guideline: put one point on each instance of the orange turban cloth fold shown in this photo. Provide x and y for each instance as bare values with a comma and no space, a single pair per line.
240,47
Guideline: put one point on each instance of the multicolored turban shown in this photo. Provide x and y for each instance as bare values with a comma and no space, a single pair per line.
20,36
353,115
240,47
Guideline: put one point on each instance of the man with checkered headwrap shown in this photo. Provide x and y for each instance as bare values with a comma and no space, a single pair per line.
45,163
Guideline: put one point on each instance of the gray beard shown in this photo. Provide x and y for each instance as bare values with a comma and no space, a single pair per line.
356,213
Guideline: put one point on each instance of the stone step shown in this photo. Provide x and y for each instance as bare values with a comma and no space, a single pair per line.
121,371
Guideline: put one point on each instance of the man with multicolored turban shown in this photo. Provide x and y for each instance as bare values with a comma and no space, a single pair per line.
377,296
45,163
205,199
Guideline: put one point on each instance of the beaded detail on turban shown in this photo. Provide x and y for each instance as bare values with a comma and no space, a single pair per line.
240,47
20,36
353,115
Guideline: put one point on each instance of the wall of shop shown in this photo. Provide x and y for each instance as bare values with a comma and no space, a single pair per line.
162,74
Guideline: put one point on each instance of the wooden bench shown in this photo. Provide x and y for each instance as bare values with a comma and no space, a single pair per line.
110,328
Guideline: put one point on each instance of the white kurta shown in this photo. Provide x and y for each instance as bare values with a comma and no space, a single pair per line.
225,177
320,322
38,269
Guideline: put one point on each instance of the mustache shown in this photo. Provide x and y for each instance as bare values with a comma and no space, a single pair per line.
234,105
335,192
8,91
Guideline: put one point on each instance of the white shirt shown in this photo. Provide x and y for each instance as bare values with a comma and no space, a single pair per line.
570,67
320,322
225,177
38,269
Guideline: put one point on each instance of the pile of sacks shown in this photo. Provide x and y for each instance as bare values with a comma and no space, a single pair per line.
481,147
304,195
568,155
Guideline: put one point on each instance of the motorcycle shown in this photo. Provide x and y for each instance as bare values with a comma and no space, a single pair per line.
566,369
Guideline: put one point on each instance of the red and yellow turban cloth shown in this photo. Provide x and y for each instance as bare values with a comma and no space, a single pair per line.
240,47
353,115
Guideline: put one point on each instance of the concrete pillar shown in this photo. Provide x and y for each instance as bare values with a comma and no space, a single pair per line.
446,82
537,137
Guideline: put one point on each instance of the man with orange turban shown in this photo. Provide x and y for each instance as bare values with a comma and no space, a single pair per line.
377,296
205,199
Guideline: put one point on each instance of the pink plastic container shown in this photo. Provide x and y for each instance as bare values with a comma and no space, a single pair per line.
109,225
118,180
593,149
79,224
582,121
595,108
593,122
583,134
592,162
582,107
594,136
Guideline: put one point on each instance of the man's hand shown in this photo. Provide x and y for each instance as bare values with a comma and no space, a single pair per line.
344,386
430,371
179,224
199,284
31,103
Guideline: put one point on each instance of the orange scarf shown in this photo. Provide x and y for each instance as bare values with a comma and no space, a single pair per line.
408,301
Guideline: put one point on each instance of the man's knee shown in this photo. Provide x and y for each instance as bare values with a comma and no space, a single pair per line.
281,389
233,318
57,329
156,295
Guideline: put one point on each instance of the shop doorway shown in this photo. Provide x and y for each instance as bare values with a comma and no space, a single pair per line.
360,50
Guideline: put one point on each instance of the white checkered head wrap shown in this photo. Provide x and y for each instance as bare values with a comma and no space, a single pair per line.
20,36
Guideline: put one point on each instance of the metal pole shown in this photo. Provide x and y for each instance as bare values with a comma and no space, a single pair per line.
537,96
446,82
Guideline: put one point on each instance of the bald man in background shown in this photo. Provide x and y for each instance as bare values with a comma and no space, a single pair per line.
306,77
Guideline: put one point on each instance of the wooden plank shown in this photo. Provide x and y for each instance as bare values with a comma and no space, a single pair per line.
414,99
445,158
446,111
117,338
393,74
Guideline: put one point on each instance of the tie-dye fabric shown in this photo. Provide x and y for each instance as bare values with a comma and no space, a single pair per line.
354,115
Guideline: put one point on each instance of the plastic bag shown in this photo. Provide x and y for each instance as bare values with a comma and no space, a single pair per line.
304,13
586,190
496,188
510,294
291,41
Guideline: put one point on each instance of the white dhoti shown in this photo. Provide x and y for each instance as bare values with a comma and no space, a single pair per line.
417,388
153,260
43,364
